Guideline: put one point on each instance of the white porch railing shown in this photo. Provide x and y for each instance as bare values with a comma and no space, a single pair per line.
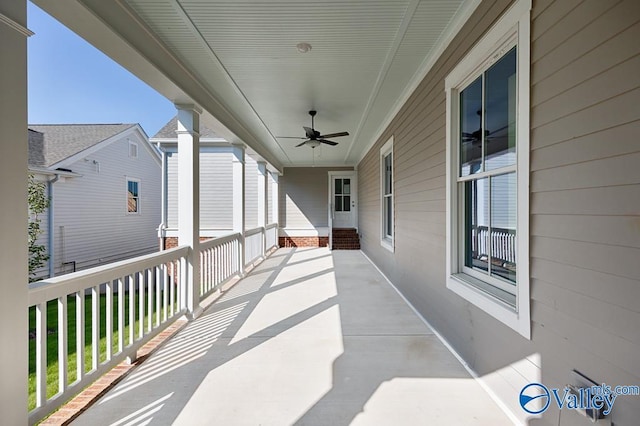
219,262
253,245
123,304
272,236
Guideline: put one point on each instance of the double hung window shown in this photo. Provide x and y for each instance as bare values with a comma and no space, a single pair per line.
488,171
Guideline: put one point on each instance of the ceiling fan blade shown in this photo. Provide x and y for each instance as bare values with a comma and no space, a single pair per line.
334,135
311,134
289,137
300,144
332,143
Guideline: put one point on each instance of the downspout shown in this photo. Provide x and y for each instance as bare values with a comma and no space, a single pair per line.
163,215
50,229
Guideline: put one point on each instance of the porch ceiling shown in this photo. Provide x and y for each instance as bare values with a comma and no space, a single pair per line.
238,60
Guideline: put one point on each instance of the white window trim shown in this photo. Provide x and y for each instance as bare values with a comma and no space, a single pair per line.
126,194
386,241
133,144
514,22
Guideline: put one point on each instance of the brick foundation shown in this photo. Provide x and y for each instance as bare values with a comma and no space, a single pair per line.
172,242
303,241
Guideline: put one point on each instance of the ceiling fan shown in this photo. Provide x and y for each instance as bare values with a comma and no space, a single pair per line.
314,138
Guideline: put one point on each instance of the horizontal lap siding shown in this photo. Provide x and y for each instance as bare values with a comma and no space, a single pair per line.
92,208
216,192
303,197
585,202
585,193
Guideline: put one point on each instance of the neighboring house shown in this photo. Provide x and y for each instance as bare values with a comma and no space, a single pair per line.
104,185
216,185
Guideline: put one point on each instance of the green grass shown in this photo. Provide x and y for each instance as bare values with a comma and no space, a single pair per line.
52,339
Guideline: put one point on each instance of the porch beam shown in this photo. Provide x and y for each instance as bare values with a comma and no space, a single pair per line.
239,213
189,201
13,226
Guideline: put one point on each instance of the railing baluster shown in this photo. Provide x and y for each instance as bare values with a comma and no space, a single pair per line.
141,304
200,287
165,292
41,354
157,271
150,299
120,315
172,288
62,343
95,327
108,317
182,283
132,309
80,337
213,265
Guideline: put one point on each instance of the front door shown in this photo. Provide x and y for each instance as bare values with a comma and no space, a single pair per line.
343,201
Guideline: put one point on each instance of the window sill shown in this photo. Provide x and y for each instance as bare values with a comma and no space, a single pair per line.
470,289
387,243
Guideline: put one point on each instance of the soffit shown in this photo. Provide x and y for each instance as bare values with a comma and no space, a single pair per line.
364,55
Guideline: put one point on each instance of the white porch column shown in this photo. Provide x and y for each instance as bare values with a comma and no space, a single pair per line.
275,203
238,201
13,221
189,200
262,202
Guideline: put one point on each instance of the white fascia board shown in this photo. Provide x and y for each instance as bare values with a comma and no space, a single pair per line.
53,172
135,131
171,145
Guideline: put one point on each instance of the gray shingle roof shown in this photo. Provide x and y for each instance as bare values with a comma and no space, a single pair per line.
169,131
52,143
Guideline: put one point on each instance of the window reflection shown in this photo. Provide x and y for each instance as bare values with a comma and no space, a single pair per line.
503,226
471,128
500,113
476,227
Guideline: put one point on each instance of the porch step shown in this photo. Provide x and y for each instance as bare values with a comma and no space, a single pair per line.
345,239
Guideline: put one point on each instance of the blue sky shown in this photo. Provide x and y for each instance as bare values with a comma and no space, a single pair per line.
71,81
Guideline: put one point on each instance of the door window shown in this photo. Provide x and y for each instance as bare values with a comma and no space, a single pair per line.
342,194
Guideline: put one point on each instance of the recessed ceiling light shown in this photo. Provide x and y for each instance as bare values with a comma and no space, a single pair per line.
303,47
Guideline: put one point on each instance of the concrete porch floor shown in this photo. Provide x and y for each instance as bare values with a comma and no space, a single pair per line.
310,337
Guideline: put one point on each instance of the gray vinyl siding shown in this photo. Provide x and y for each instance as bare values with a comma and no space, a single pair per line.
216,190
92,225
303,197
585,205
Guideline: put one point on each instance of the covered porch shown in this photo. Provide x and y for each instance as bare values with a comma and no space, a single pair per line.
310,336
